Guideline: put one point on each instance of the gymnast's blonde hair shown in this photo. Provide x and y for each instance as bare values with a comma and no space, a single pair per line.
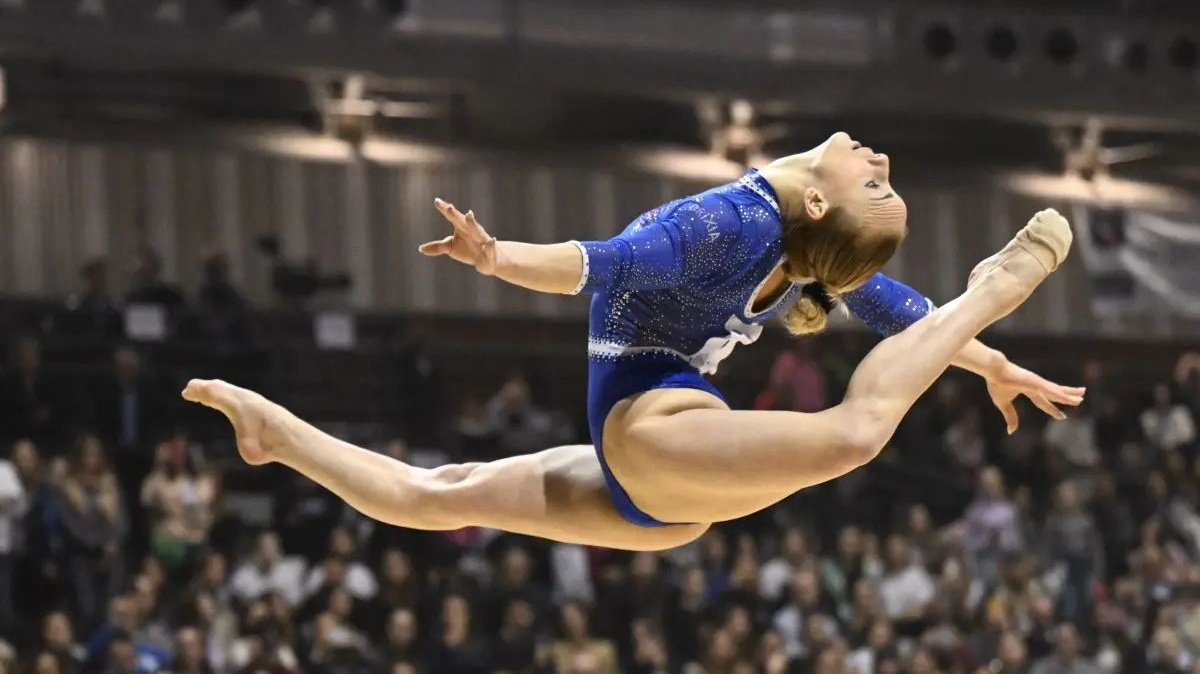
834,255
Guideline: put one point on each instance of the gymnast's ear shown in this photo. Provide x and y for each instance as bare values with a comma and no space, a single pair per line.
816,205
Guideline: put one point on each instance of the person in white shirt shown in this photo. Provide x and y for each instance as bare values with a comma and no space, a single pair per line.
268,571
1169,426
354,576
12,510
907,588
777,573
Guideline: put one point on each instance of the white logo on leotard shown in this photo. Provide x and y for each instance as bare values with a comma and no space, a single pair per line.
717,349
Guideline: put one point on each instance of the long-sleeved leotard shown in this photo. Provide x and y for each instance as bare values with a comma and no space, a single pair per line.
673,295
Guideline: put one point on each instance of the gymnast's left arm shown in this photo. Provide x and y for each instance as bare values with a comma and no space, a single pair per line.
889,306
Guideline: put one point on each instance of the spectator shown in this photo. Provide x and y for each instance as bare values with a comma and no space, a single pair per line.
93,311
516,641
1114,519
456,649
1168,425
647,588
879,647
189,653
851,562
301,508
474,436
992,529
122,658
217,293
907,588
337,644
926,541
148,287
399,586
94,526
268,571
58,637
805,601
517,422
355,577
575,639
1067,657
685,615
35,407
40,539
418,382
1012,656
47,662
795,383
514,581
1073,440
776,573
122,639
221,307
572,573
964,442
181,502
129,414
13,504
1073,542
773,655
402,638
266,643
649,650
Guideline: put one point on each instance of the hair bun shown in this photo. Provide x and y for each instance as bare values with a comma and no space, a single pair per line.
811,312
820,295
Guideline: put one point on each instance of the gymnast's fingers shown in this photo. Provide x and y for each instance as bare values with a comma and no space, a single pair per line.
452,214
1068,395
1048,407
1010,415
435,248
1058,395
475,228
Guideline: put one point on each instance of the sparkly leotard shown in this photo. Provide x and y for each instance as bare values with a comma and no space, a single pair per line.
673,295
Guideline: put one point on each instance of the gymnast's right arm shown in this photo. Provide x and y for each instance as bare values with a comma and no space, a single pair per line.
552,268
686,247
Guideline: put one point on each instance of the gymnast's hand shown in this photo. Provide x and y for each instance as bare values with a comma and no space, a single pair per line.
1013,380
469,244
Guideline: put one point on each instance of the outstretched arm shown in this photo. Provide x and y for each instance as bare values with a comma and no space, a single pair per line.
663,251
552,268
889,306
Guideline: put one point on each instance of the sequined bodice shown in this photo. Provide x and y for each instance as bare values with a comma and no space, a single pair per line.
682,279
733,249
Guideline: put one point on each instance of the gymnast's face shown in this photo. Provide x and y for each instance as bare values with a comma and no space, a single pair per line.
849,175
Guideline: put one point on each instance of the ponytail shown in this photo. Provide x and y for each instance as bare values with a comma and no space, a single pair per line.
811,312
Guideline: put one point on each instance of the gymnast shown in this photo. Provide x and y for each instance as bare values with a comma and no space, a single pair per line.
672,295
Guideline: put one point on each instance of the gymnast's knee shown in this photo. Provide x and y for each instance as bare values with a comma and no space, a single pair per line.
863,430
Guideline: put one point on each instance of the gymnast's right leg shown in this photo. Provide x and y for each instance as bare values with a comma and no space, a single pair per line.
557,494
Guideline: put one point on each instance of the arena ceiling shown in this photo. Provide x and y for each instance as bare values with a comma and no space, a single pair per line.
964,82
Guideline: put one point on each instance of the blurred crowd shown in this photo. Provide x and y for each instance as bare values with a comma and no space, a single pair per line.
1065,548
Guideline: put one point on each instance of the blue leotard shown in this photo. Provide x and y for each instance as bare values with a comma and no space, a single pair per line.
673,295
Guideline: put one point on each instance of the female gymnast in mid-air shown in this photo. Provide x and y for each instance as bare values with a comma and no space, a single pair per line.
671,296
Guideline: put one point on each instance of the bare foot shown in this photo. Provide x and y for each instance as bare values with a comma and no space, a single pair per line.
261,426
1032,255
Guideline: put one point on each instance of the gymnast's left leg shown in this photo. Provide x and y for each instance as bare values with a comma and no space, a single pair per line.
557,494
